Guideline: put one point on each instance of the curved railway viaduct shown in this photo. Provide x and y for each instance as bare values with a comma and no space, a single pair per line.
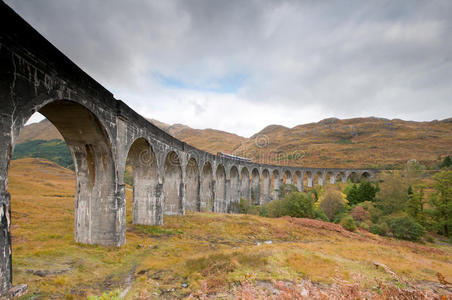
101,132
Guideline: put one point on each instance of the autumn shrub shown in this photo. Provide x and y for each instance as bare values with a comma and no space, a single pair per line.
348,223
359,214
332,202
364,225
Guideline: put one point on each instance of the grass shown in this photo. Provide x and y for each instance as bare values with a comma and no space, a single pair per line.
197,254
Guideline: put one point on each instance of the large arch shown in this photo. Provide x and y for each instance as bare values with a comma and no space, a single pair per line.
220,204
192,198
91,150
245,184
99,214
145,181
172,185
255,187
234,187
207,192
266,186
275,183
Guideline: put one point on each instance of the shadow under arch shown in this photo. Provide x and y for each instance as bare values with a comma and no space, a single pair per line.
172,185
266,186
220,204
192,202
234,195
146,206
207,192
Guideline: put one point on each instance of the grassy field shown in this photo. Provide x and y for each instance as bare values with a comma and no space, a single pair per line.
204,255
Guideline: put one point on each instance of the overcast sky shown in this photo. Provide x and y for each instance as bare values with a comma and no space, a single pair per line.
242,65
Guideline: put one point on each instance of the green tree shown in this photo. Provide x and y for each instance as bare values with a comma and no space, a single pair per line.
442,201
353,195
365,191
447,162
299,205
405,228
392,196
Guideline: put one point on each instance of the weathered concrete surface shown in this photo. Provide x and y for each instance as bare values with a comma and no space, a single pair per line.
101,133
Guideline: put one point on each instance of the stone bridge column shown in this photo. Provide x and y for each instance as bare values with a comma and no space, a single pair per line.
333,178
228,194
5,241
311,180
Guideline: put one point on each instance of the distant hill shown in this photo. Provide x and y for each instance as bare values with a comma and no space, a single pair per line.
350,143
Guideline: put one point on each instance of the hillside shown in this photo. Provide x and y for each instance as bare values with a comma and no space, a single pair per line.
206,255
349,143
352,143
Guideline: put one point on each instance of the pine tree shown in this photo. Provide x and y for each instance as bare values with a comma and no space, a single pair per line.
353,195
447,162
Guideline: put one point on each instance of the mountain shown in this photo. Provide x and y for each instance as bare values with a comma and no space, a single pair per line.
43,130
349,143
352,143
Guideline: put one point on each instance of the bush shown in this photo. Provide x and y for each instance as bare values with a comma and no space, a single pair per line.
348,223
295,204
380,229
299,205
246,208
359,214
429,239
405,228
332,202
364,225
320,215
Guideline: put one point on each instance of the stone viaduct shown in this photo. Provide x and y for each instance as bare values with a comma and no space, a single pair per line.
101,132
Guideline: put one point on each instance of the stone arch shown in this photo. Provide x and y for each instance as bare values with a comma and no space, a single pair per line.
287,177
266,186
220,204
234,189
207,191
145,181
308,179
330,178
275,183
255,187
341,177
192,199
319,178
99,213
353,177
245,184
172,185
365,176
91,150
298,178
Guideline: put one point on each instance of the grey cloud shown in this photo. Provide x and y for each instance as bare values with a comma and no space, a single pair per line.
350,58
